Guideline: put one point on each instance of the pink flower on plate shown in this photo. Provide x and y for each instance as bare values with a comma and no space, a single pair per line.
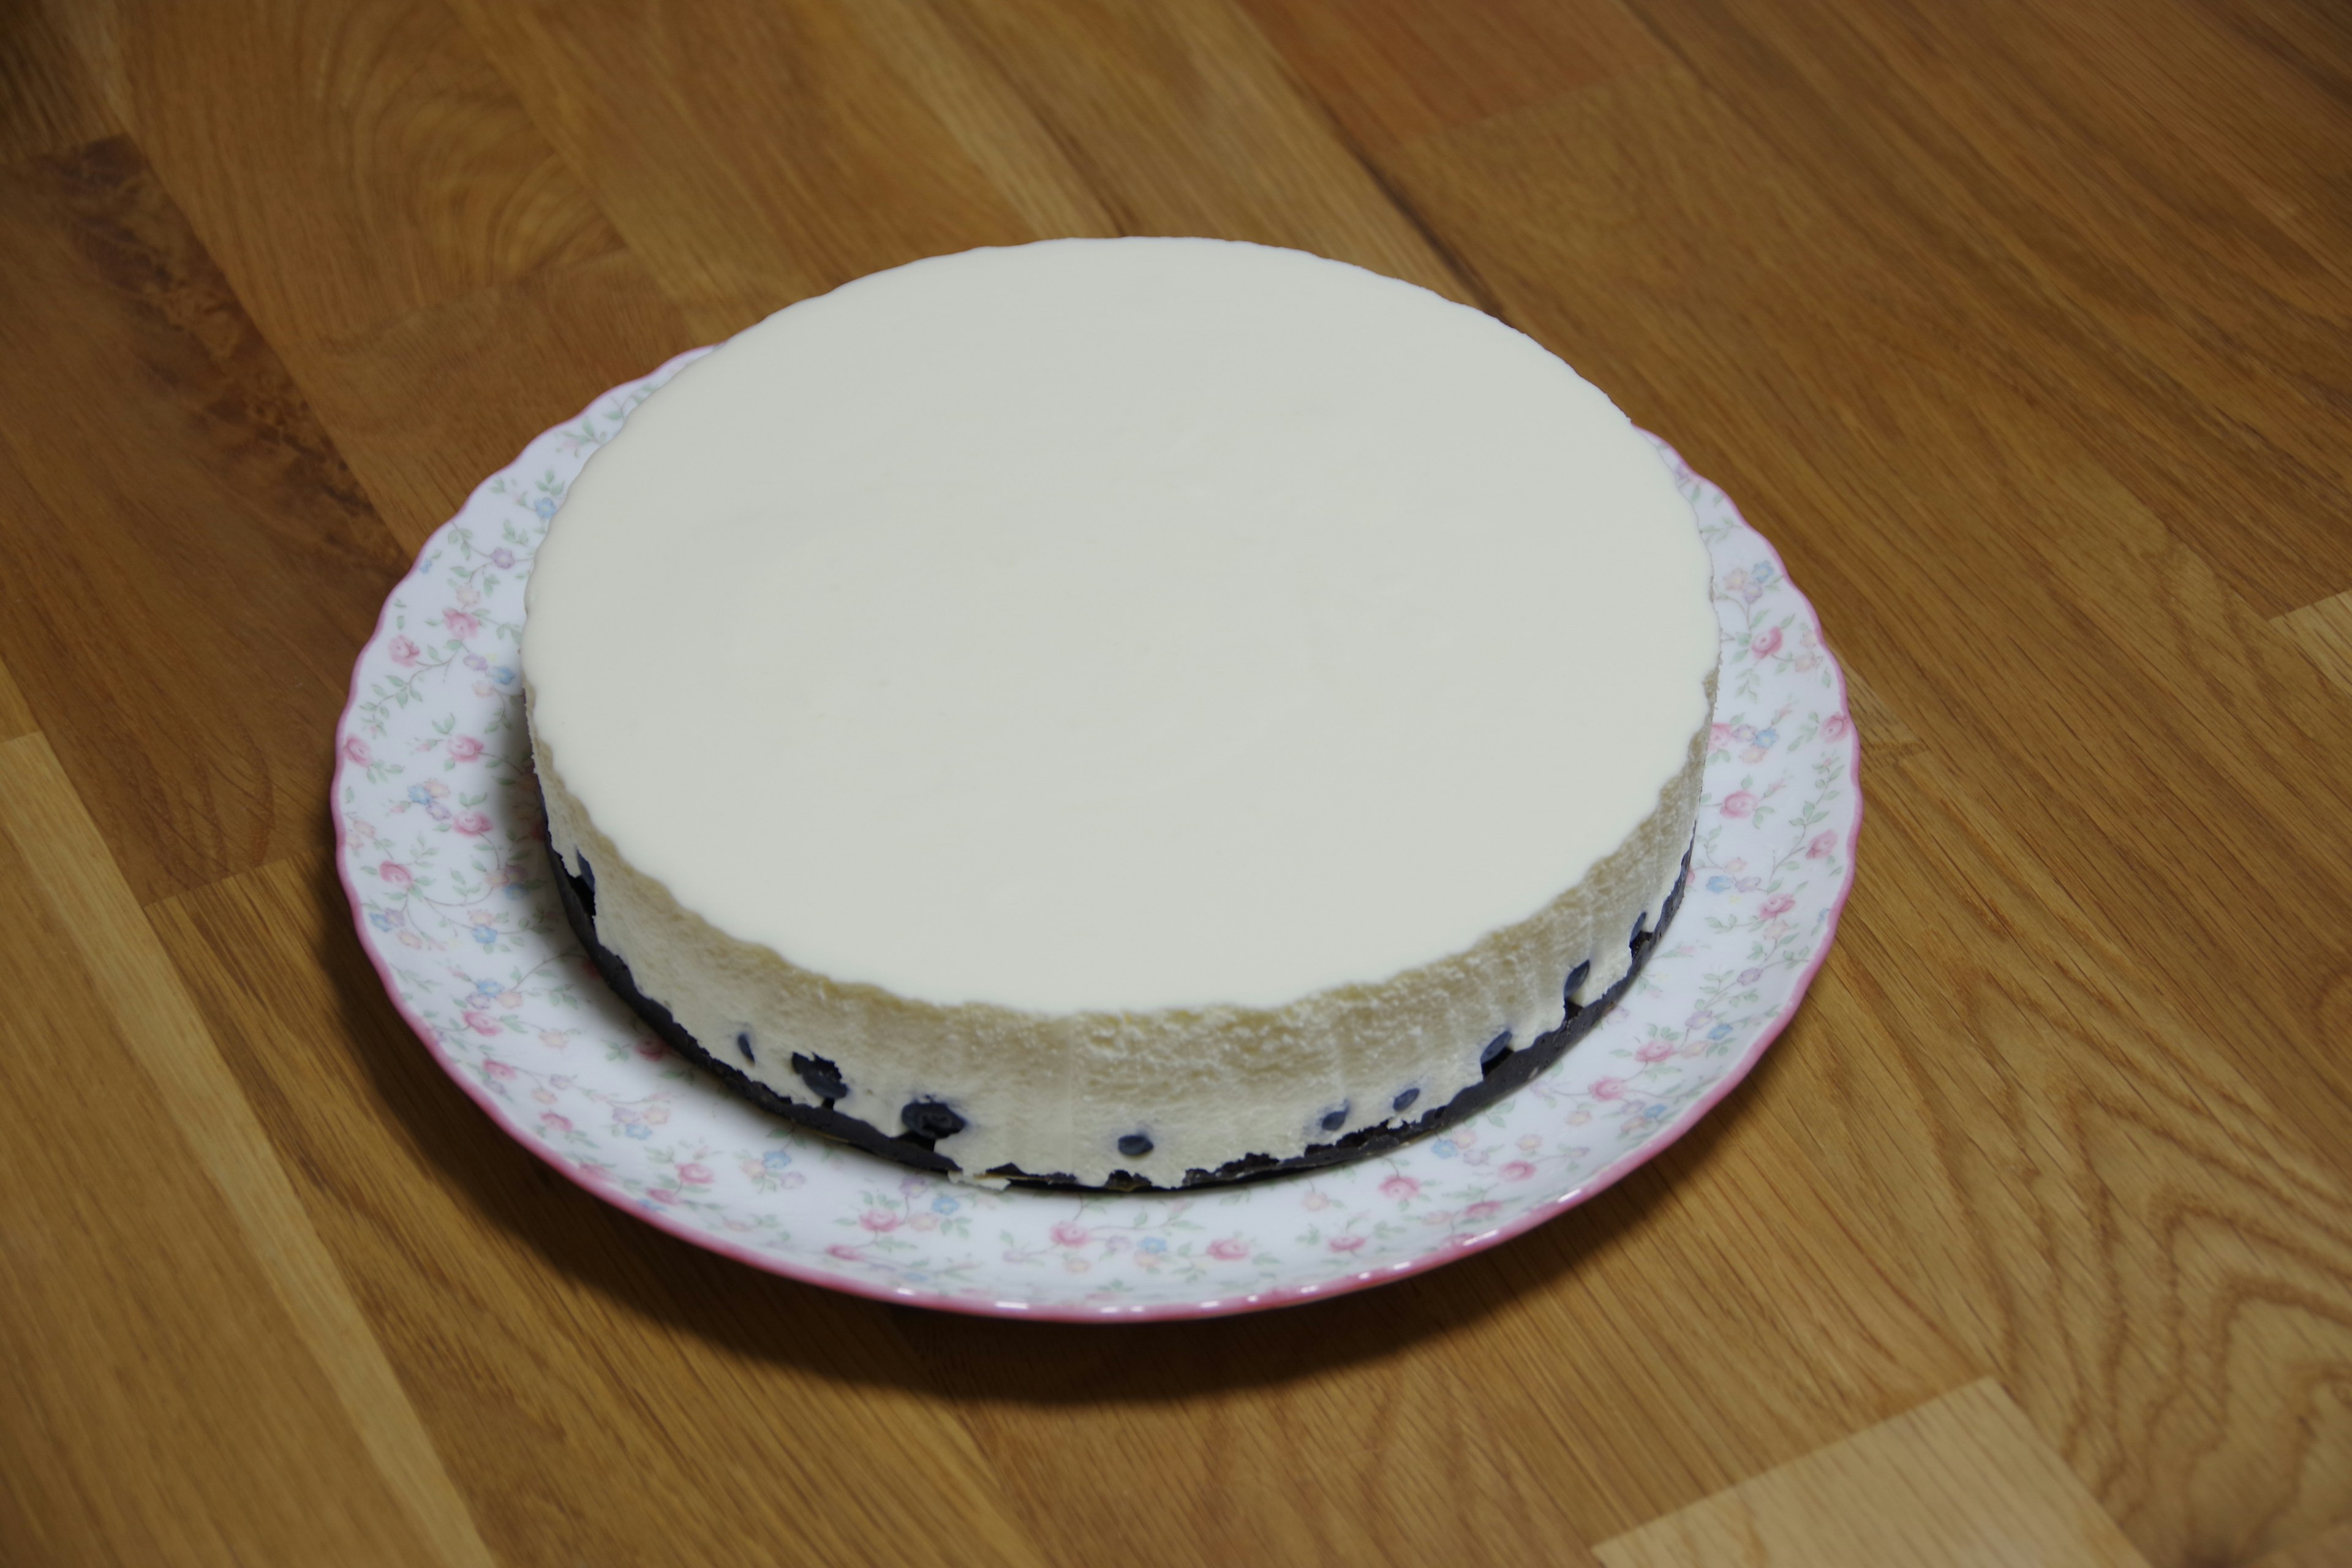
878,1220
1738,802
1835,726
471,823
842,1250
1766,643
1399,1188
695,1174
1516,1170
1349,1243
403,651
498,1069
1773,907
394,874
458,624
1229,1249
1482,1211
1823,846
463,748
1069,1233
662,1195
1655,1051
1608,1089
554,1121
1719,735
481,1023
356,750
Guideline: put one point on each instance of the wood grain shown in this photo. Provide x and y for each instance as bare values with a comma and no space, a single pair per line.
429,404
190,564
2332,1550
2050,663
2324,632
1391,70
752,152
2165,263
167,1290
1616,1364
16,718
1961,1481
348,164
2020,330
49,99
1981,1096
531,1319
1181,119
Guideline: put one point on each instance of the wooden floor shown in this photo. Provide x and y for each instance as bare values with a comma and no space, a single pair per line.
2022,327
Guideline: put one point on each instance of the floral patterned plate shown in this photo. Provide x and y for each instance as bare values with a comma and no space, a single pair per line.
438,836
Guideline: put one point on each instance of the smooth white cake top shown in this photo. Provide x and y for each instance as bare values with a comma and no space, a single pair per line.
1113,624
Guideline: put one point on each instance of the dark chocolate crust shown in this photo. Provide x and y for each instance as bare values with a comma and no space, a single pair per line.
1506,1068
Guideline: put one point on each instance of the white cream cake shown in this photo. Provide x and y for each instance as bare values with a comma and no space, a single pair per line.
1121,710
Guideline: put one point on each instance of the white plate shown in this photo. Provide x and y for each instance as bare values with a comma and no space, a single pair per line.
438,835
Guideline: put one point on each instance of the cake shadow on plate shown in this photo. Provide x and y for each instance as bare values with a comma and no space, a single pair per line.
1506,1067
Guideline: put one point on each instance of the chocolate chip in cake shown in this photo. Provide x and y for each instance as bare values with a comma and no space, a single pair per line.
1335,1120
1135,1144
743,1044
1404,1101
822,1076
585,885
1497,1050
1568,992
930,1119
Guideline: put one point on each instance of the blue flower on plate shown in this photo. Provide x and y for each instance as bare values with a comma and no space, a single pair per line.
1718,884
1152,1244
486,935
776,1159
944,1204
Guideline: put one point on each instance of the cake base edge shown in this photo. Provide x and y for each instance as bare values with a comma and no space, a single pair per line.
1510,1071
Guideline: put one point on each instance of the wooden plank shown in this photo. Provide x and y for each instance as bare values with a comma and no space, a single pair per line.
2324,632
2129,1232
2148,210
1720,1312
191,567
429,405
2332,1549
49,100
601,1392
752,153
16,717
347,164
1391,70
191,1381
1181,119
1960,1481
2079,666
